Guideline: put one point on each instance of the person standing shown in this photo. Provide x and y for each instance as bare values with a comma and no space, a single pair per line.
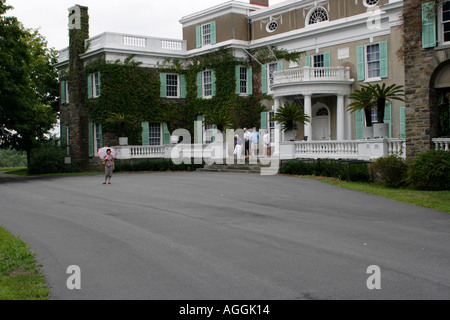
108,161
238,148
255,142
247,138
266,143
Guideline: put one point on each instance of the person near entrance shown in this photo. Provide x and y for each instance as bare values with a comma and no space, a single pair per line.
247,138
255,142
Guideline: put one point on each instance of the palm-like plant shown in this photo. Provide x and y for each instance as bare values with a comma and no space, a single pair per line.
122,120
362,100
223,120
171,115
381,94
289,116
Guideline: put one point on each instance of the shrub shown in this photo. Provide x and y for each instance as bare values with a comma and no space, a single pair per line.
155,165
390,171
430,171
48,158
344,170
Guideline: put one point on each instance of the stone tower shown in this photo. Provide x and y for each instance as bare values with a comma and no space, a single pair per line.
74,115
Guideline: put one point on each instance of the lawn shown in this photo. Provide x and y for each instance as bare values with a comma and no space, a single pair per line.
439,200
20,277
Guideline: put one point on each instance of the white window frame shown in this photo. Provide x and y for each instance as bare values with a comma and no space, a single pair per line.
308,16
270,76
204,36
272,126
150,138
204,84
66,92
207,133
366,63
178,86
367,5
313,58
441,25
95,85
241,80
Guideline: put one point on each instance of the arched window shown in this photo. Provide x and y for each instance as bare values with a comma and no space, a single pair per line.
317,15
322,112
370,3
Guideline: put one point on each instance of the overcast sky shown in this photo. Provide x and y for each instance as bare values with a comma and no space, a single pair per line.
156,18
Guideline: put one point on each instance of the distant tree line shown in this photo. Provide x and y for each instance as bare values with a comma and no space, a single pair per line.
10,158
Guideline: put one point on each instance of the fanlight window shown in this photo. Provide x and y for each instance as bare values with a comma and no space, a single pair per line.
322,112
371,2
318,15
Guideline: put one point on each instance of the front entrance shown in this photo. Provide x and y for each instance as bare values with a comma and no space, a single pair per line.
321,122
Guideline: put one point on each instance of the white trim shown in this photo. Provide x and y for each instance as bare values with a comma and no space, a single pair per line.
203,85
366,63
178,86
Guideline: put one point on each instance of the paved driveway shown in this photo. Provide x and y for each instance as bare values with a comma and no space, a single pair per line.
226,236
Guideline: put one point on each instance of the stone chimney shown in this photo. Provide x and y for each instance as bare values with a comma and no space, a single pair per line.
264,3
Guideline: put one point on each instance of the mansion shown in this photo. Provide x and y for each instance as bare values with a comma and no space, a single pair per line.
344,44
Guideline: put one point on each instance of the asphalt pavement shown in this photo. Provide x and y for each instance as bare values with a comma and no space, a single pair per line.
205,235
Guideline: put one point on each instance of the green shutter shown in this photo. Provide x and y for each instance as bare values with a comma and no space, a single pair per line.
163,87
199,85
91,139
264,78
89,84
250,80
384,70
263,120
360,63
166,134
326,59
145,133
388,116
198,32
63,92
214,132
63,135
213,83
428,25
359,116
183,89
280,65
199,130
308,61
402,122
237,72
100,133
213,33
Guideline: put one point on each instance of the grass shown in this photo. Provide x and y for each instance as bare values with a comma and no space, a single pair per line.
3,169
23,172
439,200
20,278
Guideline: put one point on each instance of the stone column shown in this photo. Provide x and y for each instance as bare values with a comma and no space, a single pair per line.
308,112
340,119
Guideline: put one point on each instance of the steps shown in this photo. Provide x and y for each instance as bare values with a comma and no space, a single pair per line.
239,168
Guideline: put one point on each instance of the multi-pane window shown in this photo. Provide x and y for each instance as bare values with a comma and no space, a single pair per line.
272,127
172,86
207,83
272,68
243,83
374,116
318,15
446,22
209,133
206,34
373,60
154,134
96,84
318,61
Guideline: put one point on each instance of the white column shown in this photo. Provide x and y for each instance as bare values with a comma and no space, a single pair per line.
276,105
340,118
348,120
308,112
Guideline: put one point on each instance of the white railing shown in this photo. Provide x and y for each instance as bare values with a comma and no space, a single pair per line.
112,40
140,152
312,74
442,144
351,149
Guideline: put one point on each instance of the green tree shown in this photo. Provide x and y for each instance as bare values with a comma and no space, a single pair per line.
362,100
28,85
384,93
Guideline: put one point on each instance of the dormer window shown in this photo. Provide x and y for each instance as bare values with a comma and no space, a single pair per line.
317,15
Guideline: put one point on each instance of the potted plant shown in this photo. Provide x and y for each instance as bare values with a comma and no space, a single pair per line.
381,94
123,122
221,120
363,100
289,116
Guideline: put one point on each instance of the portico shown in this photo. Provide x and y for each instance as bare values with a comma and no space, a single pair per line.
324,94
